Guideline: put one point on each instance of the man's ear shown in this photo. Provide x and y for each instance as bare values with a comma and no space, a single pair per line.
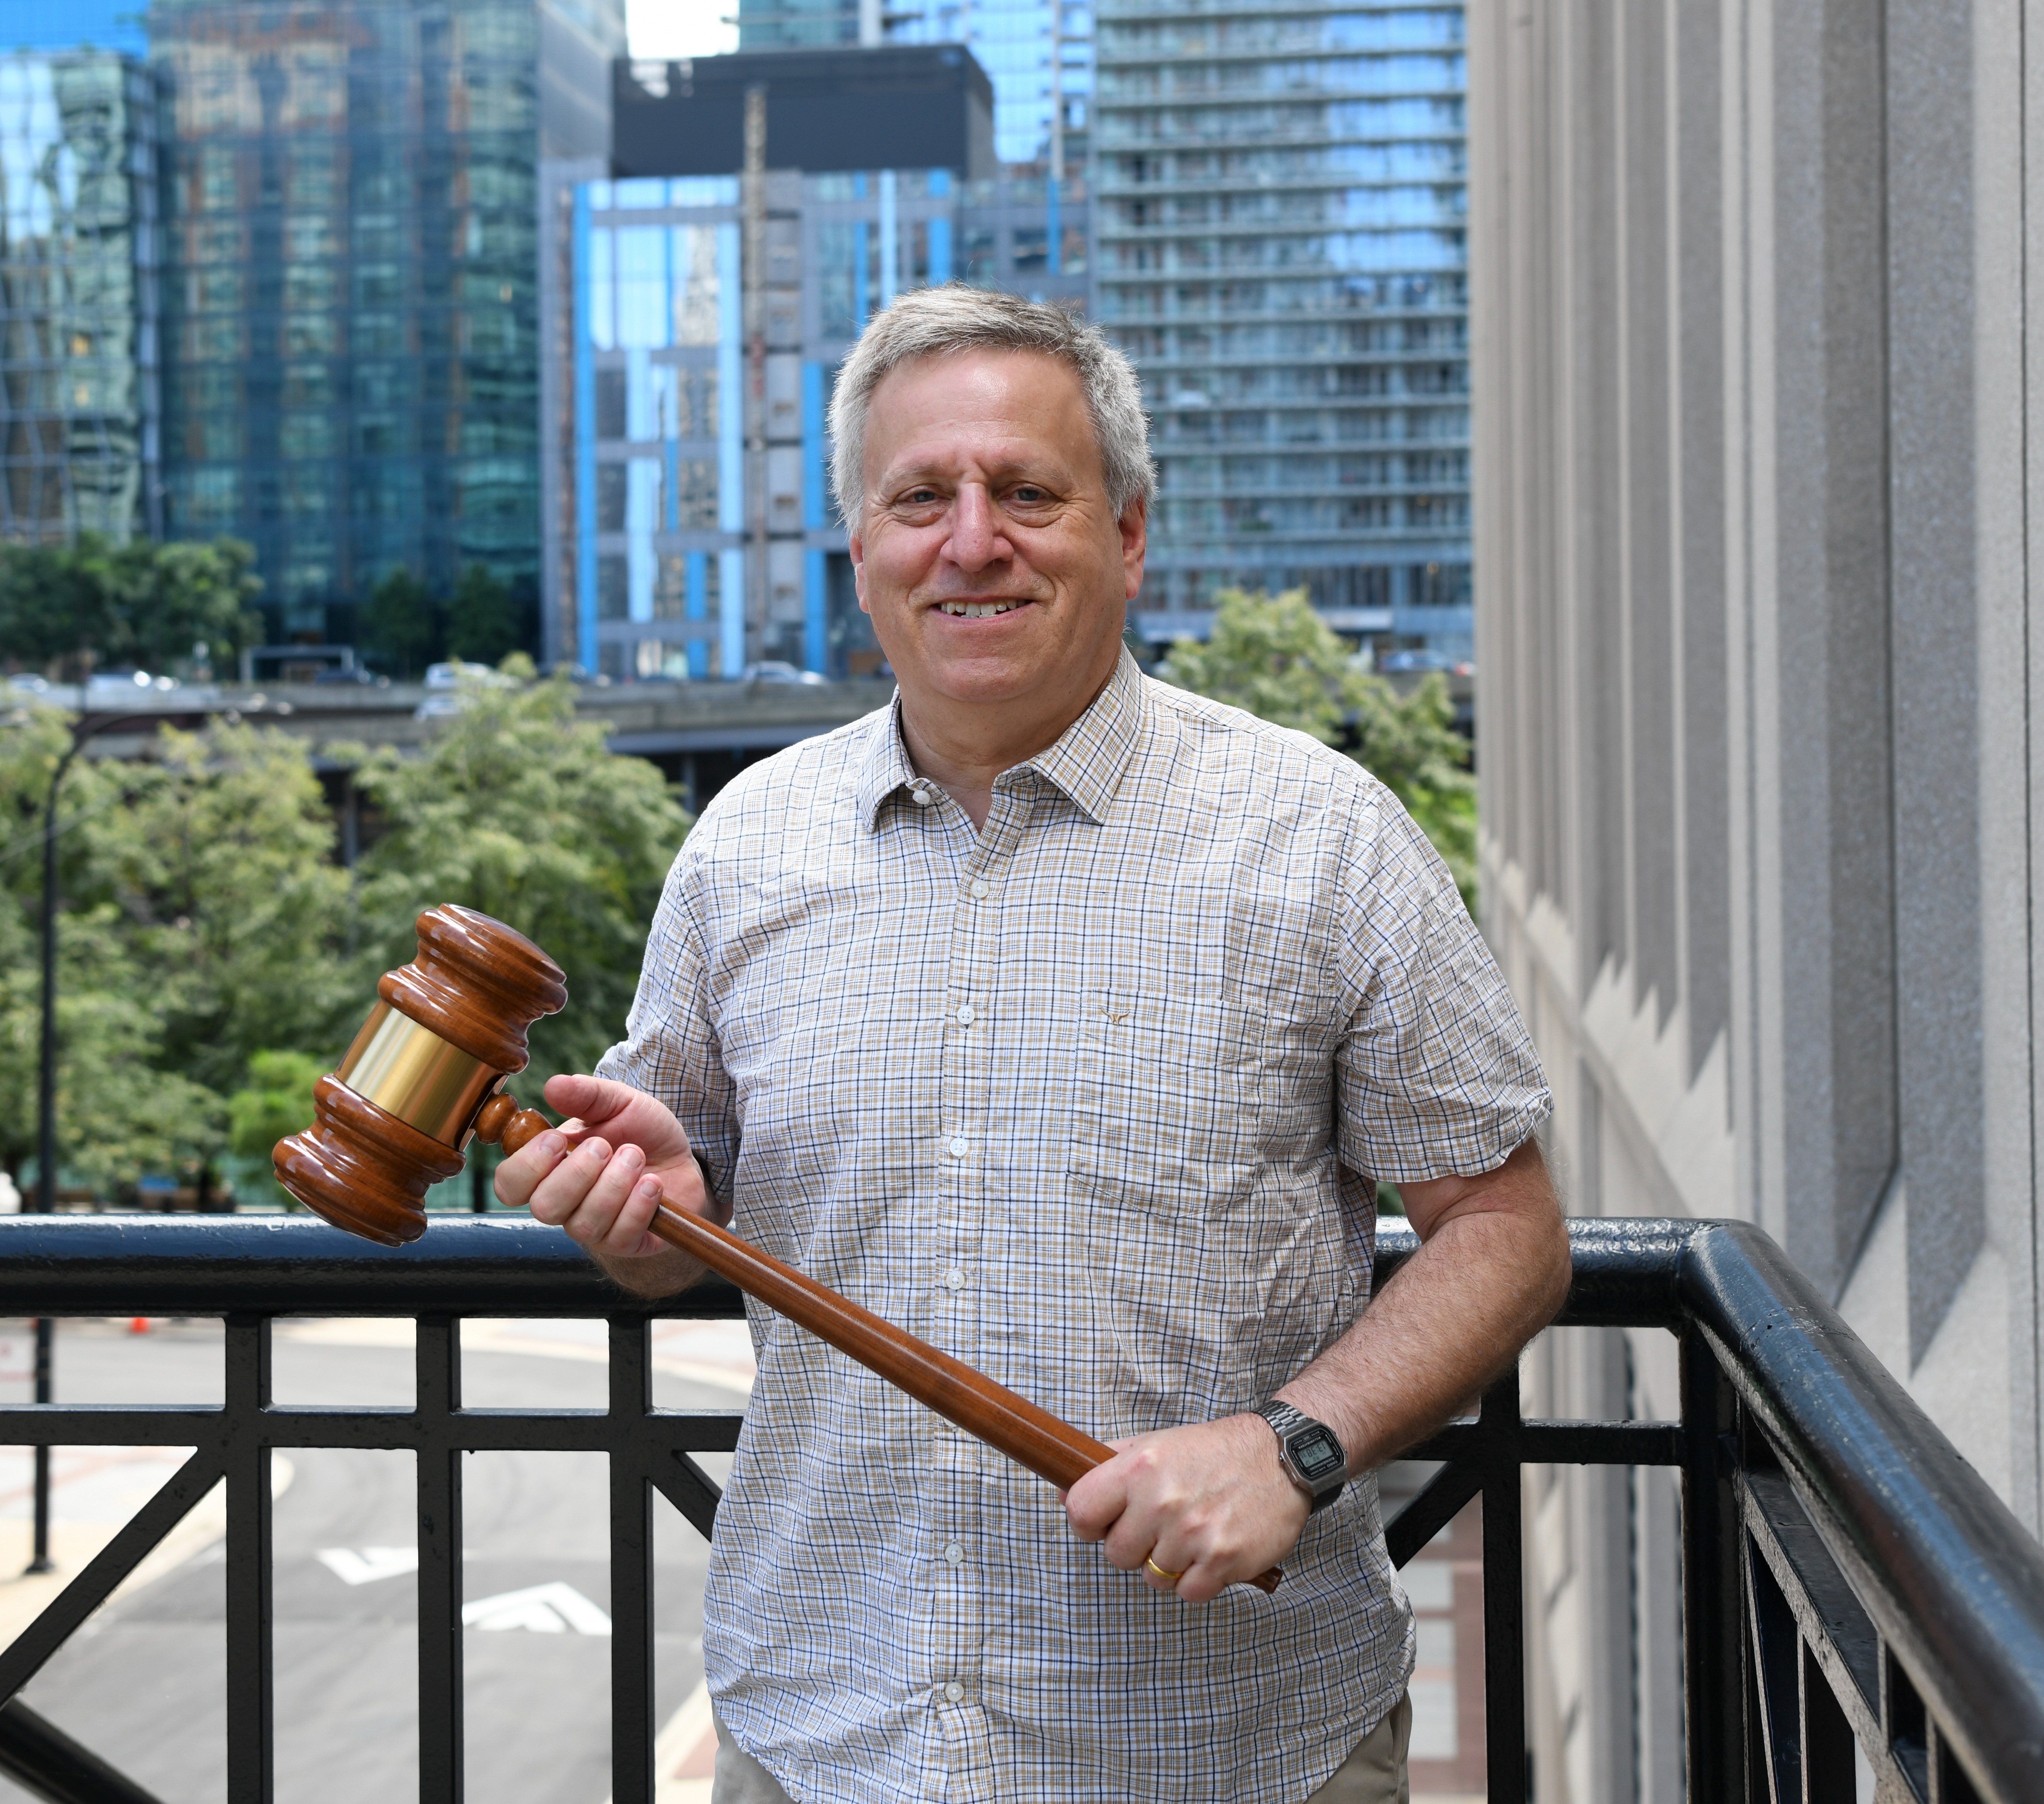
1134,528
856,544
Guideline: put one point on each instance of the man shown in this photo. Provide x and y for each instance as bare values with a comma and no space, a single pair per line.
1064,1019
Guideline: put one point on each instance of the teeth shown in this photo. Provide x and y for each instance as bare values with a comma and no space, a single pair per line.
977,610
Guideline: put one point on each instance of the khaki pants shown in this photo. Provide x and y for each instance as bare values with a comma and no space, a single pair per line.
1374,1774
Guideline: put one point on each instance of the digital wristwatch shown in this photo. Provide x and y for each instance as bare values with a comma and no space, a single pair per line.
1310,1453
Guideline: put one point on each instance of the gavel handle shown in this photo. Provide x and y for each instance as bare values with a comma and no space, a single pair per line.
1009,1424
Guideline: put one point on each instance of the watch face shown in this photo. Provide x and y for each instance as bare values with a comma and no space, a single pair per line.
1317,1454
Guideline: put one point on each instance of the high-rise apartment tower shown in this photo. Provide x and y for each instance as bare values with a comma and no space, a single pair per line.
1279,227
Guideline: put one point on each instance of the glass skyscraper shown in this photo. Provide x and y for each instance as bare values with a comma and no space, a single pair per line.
351,357
1280,245
78,341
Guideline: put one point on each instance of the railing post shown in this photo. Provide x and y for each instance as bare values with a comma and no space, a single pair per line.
251,1754
1503,1595
1713,1591
631,1725
39,1551
442,1741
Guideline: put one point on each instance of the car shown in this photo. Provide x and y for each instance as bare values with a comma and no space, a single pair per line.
452,674
358,674
1393,663
774,669
125,686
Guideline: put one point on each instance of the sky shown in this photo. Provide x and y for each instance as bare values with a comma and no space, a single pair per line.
681,27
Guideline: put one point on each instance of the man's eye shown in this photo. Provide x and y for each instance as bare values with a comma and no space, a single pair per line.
920,498
1029,496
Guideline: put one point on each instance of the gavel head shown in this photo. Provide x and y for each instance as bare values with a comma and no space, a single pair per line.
423,1077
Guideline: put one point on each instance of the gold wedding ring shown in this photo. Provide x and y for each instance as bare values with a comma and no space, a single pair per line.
1175,1577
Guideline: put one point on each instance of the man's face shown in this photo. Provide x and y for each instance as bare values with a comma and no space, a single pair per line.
987,552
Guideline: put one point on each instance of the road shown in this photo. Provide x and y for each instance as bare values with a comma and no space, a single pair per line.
143,1682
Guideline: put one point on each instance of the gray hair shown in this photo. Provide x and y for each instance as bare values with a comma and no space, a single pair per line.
938,322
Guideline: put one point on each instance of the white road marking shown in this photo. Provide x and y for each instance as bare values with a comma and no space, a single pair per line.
546,1610
371,1564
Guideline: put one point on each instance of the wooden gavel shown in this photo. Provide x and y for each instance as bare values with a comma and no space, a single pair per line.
425,1075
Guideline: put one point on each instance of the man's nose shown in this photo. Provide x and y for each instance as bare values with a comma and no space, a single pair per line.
977,539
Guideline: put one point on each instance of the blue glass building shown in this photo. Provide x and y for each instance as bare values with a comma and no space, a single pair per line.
1279,217
651,539
78,340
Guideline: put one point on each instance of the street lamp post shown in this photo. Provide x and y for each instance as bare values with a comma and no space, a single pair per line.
46,1082
46,1112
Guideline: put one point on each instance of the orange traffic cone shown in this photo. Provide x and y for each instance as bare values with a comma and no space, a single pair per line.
138,1326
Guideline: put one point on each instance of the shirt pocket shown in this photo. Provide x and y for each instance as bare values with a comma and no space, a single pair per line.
1167,1109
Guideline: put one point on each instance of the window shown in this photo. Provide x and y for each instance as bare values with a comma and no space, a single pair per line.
610,497
609,404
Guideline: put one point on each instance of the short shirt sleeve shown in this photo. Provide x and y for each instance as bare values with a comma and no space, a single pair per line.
670,1050
1435,1073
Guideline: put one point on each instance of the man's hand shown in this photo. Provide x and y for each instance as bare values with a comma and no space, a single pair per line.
602,1173
1210,1503
1213,1502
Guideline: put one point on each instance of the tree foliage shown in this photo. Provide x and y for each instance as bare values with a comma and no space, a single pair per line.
276,1101
214,958
517,810
122,1109
1281,662
97,605
220,868
405,625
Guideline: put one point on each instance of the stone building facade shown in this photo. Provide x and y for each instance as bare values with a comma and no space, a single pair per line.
1756,506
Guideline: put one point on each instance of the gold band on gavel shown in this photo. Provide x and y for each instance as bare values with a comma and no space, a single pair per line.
409,1072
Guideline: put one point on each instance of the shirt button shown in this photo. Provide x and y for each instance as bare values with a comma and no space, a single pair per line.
979,890
959,1146
953,1551
955,1278
954,1691
922,797
967,1015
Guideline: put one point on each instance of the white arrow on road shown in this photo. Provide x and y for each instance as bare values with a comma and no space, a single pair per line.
369,1565
546,1610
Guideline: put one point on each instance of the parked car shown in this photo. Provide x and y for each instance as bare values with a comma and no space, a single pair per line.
1392,663
774,669
450,676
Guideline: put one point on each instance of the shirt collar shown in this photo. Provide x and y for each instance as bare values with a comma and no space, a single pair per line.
1086,764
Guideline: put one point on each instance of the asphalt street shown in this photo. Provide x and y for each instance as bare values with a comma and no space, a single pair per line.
143,1682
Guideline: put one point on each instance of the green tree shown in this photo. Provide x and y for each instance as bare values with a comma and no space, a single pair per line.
219,866
517,810
96,604
1278,659
178,597
277,1100
403,626
486,619
123,1110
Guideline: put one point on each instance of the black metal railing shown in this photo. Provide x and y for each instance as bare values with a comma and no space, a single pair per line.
1847,1578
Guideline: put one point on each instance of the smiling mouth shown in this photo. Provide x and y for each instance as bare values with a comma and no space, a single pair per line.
978,610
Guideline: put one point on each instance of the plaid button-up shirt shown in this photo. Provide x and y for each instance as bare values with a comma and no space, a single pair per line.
1089,1099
